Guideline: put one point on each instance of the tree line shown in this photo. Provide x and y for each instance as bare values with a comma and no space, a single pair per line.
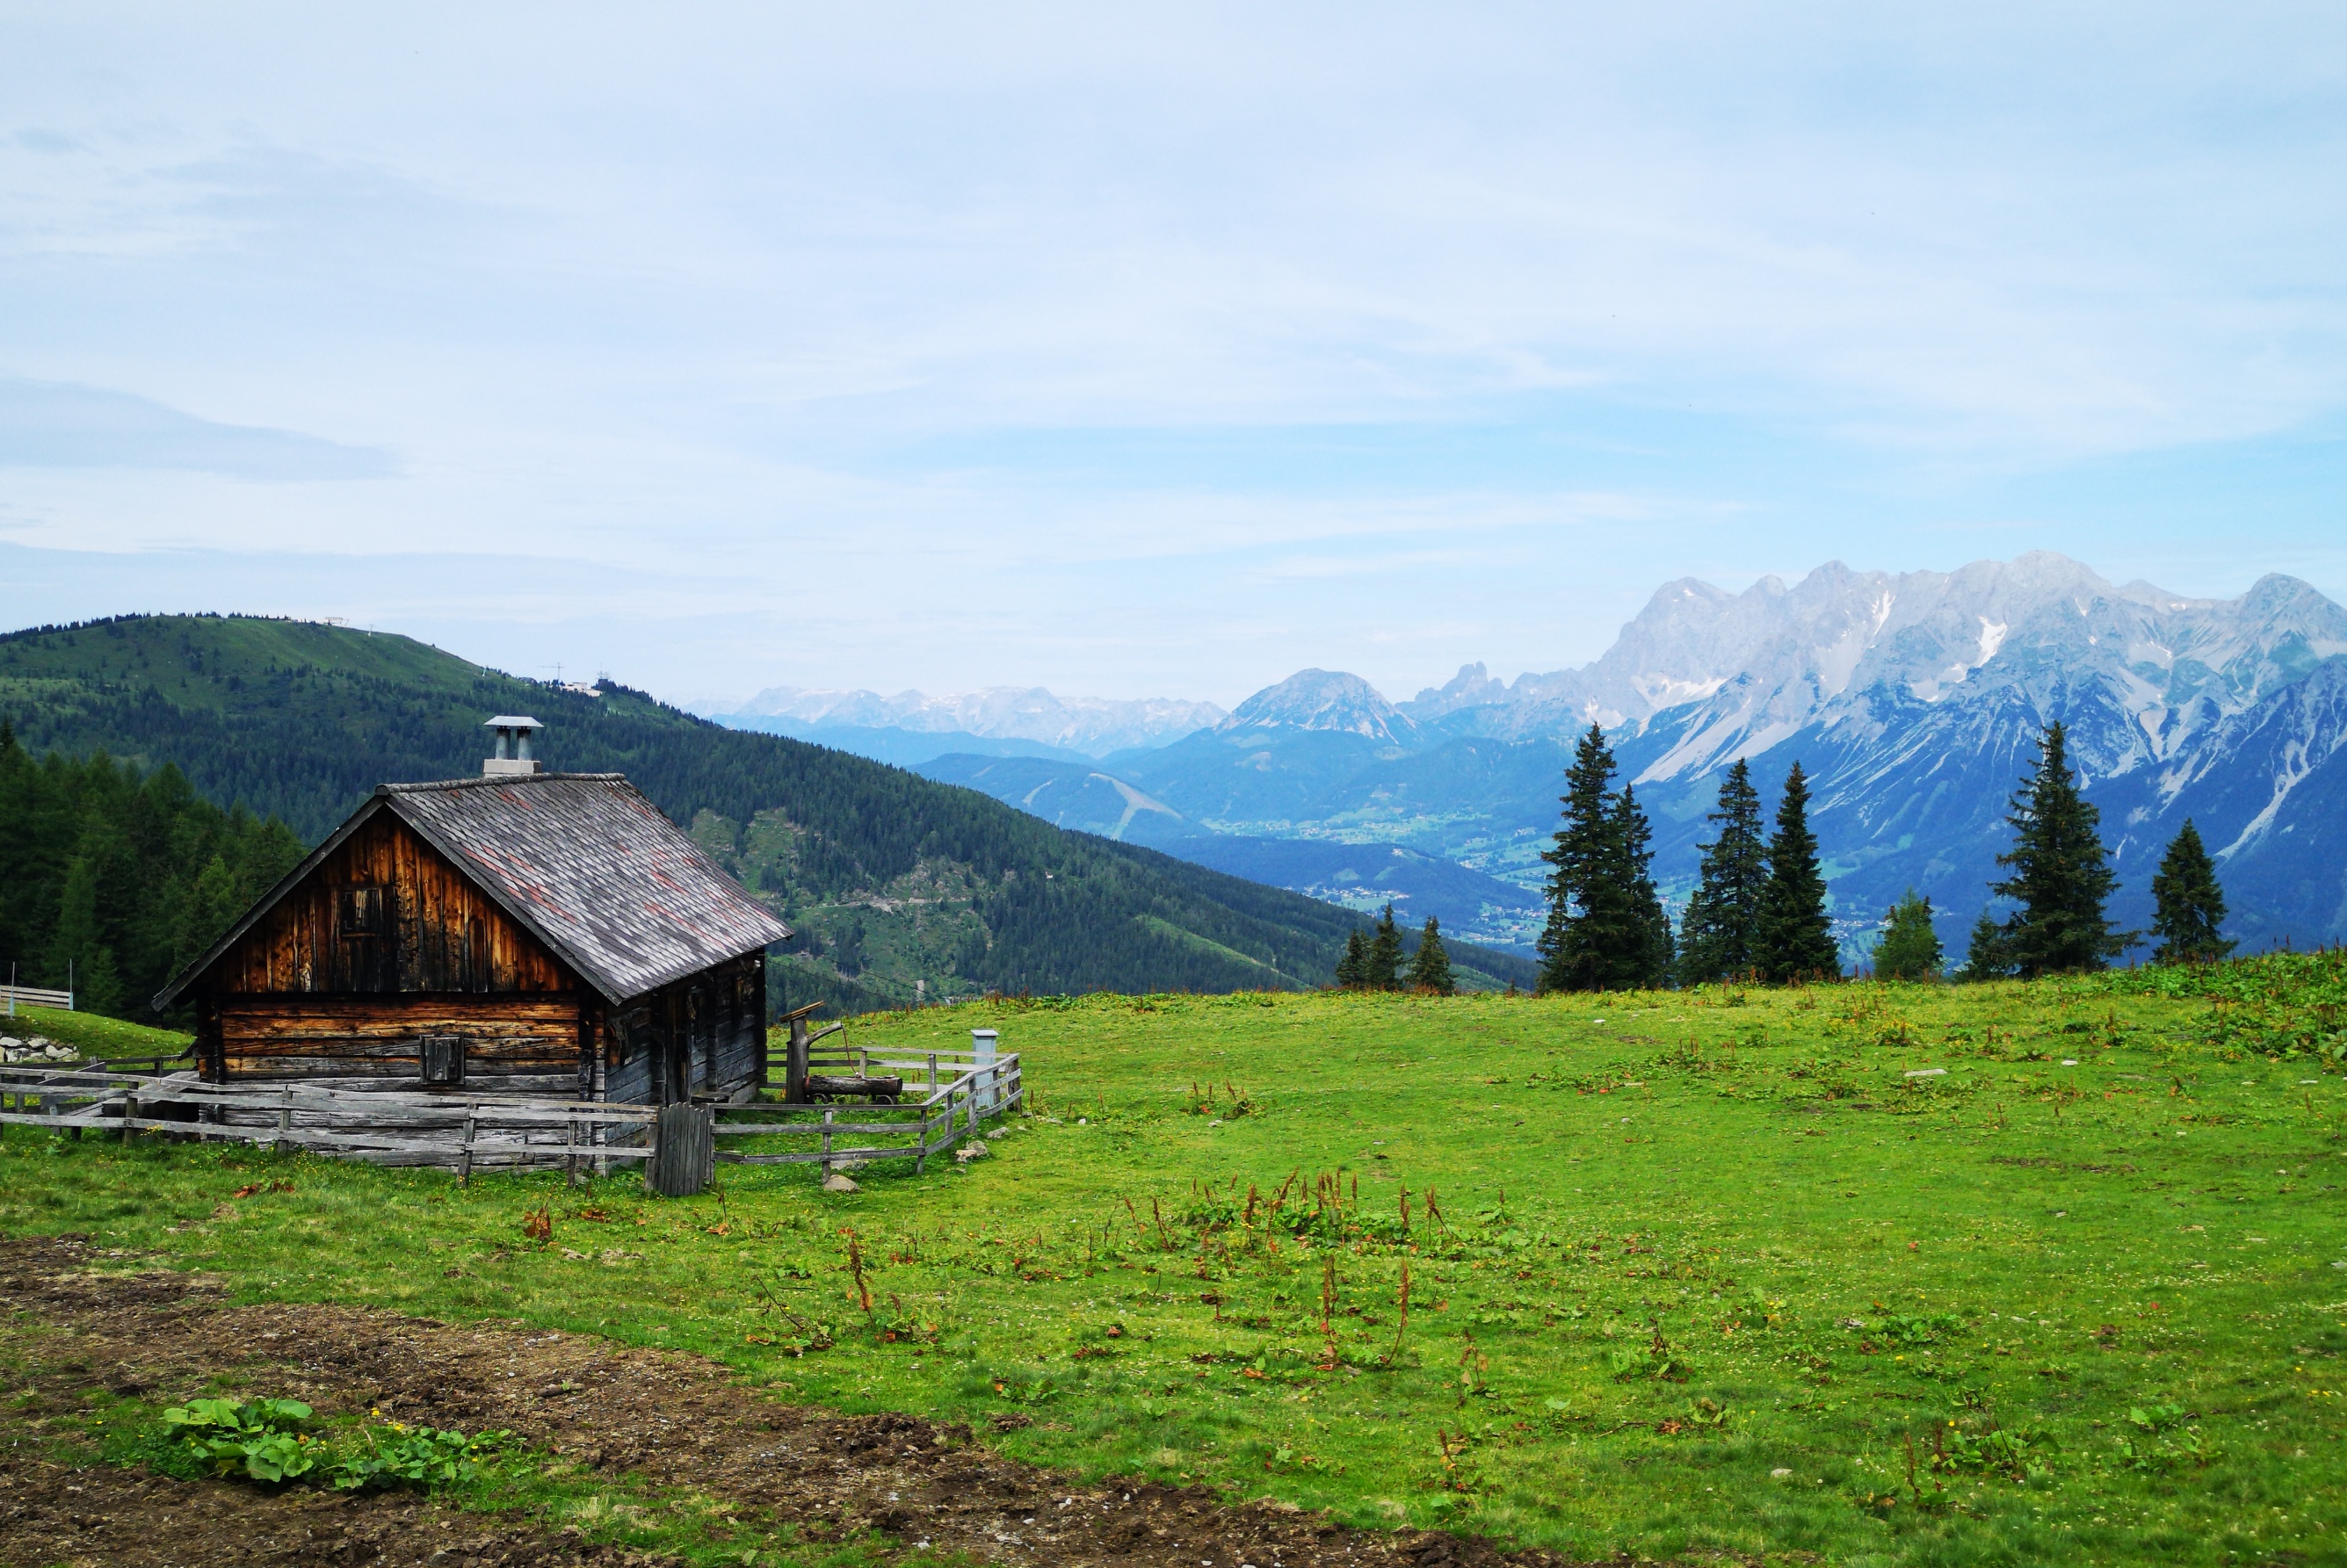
1759,910
1373,961
113,879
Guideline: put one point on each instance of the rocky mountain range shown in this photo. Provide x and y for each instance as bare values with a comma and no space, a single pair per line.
999,721
1913,700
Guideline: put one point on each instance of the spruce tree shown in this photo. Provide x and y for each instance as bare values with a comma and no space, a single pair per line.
1382,971
2061,872
1910,948
1646,958
1353,967
2190,905
1716,935
1606,930
1581,856
1795,936
1430,967
1986,957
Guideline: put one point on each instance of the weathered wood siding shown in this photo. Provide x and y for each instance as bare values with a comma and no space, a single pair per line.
513,1044
305,996
702,1038
439,933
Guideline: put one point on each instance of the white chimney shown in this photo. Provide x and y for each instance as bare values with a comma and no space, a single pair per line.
512,758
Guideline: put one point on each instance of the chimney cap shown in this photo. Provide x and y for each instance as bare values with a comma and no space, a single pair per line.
511,721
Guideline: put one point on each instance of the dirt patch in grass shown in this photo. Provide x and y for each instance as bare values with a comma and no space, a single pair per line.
52,1514
678,1422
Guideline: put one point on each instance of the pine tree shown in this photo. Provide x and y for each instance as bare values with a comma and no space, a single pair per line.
2061,872
1383,969
1645,962
1794,939
1716,935
1986,957
1430,967
1579,856
2189,913
78,955
1910,948
1353,967
1606,930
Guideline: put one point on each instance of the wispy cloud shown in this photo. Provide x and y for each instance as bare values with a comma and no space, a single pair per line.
1163,350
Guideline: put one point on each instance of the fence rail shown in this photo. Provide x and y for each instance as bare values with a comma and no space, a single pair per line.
957,1091
11,996
396,1127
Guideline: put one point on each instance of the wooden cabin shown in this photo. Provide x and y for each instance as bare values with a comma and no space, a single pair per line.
520,933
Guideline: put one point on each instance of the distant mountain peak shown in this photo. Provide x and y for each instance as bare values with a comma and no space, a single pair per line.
1321,699
1093,725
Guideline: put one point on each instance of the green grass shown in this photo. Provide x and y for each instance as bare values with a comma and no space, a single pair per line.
1689,1241
93,1034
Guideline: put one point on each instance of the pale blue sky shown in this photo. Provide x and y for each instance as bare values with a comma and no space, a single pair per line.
944,346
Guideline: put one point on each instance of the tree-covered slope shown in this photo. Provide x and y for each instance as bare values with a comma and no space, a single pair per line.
893,879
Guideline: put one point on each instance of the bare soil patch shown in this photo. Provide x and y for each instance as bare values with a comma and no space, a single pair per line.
680,1422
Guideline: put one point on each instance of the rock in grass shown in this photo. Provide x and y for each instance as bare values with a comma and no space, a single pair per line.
836,1182
969,1152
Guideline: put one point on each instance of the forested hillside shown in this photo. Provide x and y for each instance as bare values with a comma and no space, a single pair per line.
111,880
899,886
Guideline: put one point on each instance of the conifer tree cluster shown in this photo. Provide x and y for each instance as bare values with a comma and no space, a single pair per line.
2062,880
1429,966
1372,962
112,879
1758,911
1606,930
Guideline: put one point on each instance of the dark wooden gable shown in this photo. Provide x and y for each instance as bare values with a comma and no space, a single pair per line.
386,912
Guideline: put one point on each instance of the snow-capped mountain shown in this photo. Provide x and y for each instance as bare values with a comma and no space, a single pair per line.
1767,663
1091,725
1915,701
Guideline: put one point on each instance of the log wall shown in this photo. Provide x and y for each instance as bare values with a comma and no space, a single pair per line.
513,1044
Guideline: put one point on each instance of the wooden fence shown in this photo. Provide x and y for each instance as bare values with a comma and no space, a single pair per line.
956,1092
14,996
462,1134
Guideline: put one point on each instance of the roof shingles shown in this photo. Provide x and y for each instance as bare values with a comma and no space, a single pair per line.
594,870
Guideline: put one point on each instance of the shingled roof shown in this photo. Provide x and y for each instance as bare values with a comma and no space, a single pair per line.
582,862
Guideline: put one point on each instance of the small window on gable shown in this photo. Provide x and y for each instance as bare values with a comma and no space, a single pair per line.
362,911
443,1057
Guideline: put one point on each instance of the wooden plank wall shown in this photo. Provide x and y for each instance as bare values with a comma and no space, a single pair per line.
301,997
702,1038
441,933
513,1044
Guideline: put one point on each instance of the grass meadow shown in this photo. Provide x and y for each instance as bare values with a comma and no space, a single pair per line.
1879,1274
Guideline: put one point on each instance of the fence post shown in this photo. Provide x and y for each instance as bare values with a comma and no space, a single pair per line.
826,1145
795,1066
571,1153
285,1122
465,1160
129,1112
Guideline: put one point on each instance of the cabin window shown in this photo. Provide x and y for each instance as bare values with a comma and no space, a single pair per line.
443,1057
362,911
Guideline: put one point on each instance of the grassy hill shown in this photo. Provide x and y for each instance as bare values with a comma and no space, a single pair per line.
1879,1275
900,886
